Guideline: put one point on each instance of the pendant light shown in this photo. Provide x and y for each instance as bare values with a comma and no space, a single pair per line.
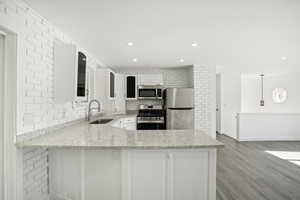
262,101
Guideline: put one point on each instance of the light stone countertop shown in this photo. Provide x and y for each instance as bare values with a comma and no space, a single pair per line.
104,136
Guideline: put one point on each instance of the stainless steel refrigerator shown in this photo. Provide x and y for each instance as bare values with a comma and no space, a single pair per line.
179,104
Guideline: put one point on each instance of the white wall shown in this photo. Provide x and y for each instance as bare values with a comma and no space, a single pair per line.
230,101
274,121
241,94
251,92
1,114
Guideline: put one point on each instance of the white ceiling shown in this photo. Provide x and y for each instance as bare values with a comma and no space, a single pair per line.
247,34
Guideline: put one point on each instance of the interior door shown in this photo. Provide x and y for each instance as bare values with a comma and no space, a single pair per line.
218,105
1,114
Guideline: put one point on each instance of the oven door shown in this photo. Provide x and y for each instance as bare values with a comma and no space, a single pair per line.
150,126
147,93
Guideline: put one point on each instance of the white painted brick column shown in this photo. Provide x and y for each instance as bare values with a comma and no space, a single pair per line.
205,99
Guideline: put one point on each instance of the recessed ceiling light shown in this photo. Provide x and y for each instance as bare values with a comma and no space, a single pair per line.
283,58
130,44
181,60
194,44
134,59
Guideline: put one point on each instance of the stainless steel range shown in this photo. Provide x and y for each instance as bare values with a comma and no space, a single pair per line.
151,117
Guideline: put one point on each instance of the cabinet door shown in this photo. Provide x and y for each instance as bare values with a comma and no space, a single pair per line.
117,124
91,85
130,123
120,107
64,72
100,85
65,174
189,175
148,175
151,79
102,174
131,87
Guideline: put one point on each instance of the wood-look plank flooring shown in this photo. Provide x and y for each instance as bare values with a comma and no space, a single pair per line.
246,172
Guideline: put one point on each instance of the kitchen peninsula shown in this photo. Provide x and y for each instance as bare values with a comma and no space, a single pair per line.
101,161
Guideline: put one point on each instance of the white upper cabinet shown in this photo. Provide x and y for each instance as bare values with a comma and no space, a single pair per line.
91,83
64,71
119,86
100,84
70,73
151,79
120,107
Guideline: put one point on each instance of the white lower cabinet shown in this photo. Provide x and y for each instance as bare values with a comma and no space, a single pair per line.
167,175
133,174
102,172
126,123
65,174
189,175
129,123
147,176
117,123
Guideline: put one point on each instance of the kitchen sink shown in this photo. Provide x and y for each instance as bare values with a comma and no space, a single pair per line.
101,121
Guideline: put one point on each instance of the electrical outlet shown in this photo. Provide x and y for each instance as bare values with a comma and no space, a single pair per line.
262,103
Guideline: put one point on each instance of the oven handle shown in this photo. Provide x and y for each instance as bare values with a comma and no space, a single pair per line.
150,122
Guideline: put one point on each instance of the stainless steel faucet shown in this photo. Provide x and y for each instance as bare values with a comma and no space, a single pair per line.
90,108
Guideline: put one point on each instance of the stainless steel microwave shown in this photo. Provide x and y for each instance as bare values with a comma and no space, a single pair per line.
150,92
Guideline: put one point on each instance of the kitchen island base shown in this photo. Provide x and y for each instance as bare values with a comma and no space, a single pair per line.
160,174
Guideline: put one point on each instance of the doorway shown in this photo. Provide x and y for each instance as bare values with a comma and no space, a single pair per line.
218,104
1,116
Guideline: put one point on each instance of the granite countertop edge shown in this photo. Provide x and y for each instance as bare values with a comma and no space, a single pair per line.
83,135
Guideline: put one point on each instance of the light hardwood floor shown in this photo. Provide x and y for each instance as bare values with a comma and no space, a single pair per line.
246,172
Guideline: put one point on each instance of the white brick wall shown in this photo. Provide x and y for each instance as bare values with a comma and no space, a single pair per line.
35,181
37,109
